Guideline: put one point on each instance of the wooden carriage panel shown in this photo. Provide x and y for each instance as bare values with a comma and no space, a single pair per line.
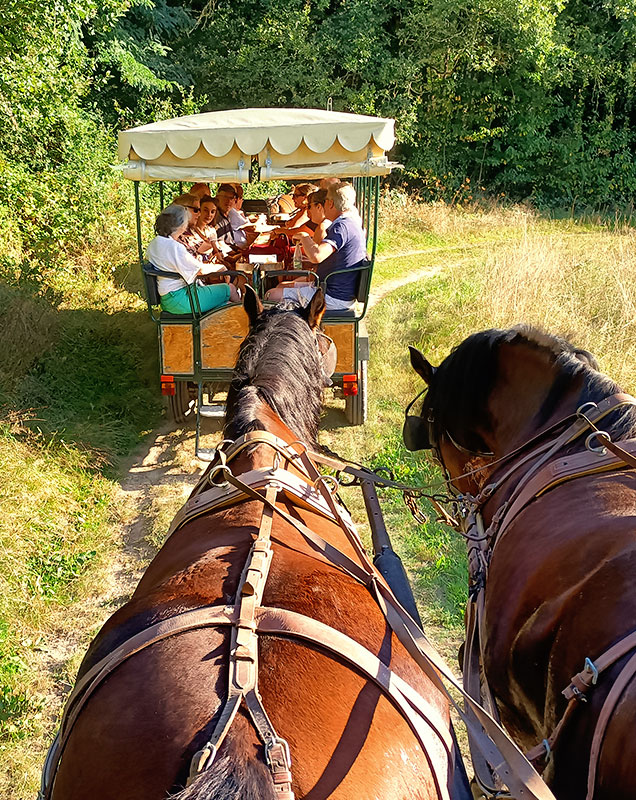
177,350
344,337
221,335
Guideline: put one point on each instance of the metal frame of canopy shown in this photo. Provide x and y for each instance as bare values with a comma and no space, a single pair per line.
272,144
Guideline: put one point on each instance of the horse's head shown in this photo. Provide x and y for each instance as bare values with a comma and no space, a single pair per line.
454,430
283,366
495,391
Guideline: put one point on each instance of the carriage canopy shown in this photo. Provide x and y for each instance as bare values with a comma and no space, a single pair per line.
287,143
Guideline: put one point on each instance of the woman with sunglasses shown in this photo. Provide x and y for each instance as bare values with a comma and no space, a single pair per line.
196,244
300,217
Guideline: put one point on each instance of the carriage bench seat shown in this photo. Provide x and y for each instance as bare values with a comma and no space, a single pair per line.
166,316
341,315
356,313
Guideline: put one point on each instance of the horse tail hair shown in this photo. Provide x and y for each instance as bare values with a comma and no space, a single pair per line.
227,779
237,773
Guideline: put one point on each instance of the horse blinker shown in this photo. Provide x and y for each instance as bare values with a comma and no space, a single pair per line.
417,431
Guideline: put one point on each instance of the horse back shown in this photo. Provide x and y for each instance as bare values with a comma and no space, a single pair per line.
347,739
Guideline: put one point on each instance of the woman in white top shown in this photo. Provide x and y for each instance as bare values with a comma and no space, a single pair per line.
167,253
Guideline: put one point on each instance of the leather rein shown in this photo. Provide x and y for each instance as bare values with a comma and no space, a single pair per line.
247,619
543,471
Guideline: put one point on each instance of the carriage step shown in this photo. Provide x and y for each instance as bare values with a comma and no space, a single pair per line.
214,411
206,453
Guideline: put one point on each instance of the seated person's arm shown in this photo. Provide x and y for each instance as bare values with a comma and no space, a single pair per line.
316,253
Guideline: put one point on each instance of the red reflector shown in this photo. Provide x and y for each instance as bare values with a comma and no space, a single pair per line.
349,385
168,385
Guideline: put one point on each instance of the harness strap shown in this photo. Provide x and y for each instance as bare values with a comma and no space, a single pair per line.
542,476
501,752
618,687
524,492
209,616
243,670
419,713
223,496
577,465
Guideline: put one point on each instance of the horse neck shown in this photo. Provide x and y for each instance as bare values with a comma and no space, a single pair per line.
517,404
264,456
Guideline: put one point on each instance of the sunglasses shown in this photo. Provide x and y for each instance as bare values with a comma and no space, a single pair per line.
194,208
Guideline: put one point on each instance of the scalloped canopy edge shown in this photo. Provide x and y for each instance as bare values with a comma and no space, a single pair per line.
253,130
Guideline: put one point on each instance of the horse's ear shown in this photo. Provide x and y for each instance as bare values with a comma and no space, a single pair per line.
316,310
252,305
421,365
587,358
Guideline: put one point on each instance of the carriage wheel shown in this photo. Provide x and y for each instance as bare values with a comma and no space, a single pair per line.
356,405
180,404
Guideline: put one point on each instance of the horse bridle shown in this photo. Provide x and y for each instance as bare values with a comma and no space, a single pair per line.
418,433
328,353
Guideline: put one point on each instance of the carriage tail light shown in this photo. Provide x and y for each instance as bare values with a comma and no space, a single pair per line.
349,385
168,385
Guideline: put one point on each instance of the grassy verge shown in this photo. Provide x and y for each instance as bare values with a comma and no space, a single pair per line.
77,392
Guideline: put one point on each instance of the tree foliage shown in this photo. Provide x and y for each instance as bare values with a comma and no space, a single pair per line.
527,98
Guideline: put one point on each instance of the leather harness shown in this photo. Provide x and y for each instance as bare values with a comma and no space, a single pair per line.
248,619
545,473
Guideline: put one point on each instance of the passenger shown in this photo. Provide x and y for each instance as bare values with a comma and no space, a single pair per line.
318,223
190,238
200,189
300,216
325,183
206,228
242,229
343,248
168,253
224,200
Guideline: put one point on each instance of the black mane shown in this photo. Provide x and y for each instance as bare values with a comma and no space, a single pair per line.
278,364
462,384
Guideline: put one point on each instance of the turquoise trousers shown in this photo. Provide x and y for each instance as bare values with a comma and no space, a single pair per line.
213,296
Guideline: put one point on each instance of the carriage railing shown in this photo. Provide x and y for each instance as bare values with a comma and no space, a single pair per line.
151,273
362,294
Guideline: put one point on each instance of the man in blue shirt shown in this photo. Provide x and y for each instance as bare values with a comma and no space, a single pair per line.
343,248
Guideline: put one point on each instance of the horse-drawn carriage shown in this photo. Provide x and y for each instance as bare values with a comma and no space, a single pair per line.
198,351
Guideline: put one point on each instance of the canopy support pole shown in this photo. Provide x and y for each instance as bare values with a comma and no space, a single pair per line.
376,204
138,219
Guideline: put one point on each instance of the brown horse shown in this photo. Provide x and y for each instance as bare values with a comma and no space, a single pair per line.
510,416
137,733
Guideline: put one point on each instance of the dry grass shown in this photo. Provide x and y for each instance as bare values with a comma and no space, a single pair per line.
579,284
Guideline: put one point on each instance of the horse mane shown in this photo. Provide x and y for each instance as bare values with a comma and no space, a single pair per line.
463,382
278,364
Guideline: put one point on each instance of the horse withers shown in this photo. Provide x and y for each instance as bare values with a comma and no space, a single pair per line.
253,661
526,430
